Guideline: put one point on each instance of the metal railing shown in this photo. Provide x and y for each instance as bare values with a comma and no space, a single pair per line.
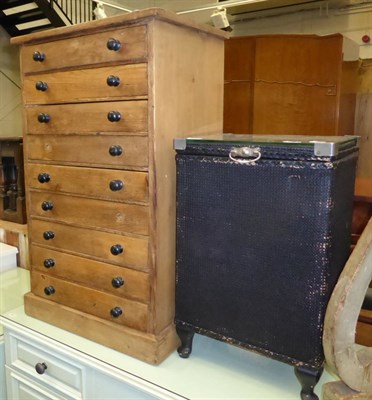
75,11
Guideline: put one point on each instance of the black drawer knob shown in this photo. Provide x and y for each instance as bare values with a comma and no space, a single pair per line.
43,118
117,282
47,205
43,177
49,263
114,116
116,249
113,44
116,312
113,80
38,56
48,235
115,150
116,185
49,290
42,86
40,368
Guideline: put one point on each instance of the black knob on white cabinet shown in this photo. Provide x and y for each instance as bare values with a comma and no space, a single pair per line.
115,150
42,86
43,118
38,56
43,177
113,80
116,185
40,368
47,205
116,312
116,249
114,116
49,290
113,44
117,282
48,235
49,263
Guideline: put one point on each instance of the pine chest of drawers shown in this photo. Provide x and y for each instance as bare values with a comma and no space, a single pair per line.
102,104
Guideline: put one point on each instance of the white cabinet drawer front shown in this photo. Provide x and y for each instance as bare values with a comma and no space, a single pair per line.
21,388
60,373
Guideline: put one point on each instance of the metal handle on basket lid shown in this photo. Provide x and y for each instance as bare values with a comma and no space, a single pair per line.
245,154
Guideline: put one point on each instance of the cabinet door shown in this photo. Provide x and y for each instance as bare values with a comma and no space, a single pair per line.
239,59
238,107
292,109
297,84
239,75
301,59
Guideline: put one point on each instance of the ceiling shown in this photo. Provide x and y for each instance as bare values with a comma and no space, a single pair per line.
200,10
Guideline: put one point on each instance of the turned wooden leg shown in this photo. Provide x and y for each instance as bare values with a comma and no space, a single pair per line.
186,335
308,378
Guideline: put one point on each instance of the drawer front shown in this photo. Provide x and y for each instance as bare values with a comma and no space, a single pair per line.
126,116
91,213
106,83
92,182
86,50
119,281
92,243
90,150
103,305
19,387
61,372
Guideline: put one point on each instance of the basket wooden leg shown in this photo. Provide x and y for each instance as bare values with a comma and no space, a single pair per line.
308,378
186,335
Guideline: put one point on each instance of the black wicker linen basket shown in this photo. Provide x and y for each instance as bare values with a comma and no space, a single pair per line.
263,232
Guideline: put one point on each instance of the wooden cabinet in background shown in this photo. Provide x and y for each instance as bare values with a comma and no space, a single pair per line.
290,84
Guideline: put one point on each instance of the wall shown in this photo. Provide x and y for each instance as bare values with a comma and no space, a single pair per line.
363,121
10,93
353,25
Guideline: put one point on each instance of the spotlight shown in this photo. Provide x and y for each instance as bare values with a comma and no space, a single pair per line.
99,11
219,19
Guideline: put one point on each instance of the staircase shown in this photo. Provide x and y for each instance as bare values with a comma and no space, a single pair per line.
20,17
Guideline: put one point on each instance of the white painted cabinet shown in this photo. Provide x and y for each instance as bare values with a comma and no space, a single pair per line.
22,387
2,370
40,368
81,369
13,284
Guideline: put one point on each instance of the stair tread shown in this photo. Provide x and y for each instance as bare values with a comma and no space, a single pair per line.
21,18
7,4
36,10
